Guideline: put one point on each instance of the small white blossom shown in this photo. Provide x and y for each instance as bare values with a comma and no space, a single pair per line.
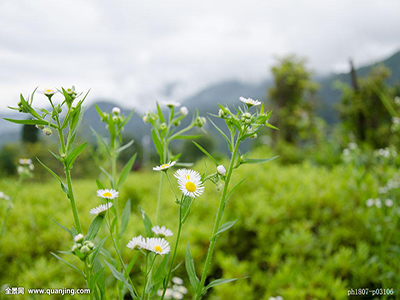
378,203
137,243
78,238
221,170
189,182
116,111
164,167
107,194
370,202
25,161
162,231
177,280
177,295
184,110
157,245
100,209
389,202
249,101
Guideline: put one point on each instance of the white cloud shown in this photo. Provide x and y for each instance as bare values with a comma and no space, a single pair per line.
130,50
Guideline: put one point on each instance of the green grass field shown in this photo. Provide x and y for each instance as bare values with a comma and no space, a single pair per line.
303,232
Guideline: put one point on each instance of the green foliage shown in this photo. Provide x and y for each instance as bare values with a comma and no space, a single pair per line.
363,114
303,232
292,96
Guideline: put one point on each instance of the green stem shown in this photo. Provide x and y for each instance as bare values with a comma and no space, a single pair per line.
115,186
119,254
147,272
175,250
217,223
171,185
72,200
159,198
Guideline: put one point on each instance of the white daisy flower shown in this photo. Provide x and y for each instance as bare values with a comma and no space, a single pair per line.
164,167
221,170
25,161
184,110
116,111
157,245
136,243
378,203
100,209
249,101
49,91
177,280
162,231
171,103
167,295
189,182
370,202
177,295
78,238
181,289
389,202
107,194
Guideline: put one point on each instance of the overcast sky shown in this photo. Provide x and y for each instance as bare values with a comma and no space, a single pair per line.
137,52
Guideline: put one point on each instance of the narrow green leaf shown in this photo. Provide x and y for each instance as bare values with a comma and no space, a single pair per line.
74,154
160,114
186,137
223,228
94,228
66,229
233,189
97,249
63,186
125,217
126,146
222,133
28,122
189,262
158,276
206,153
107,254
107,174
101,141
69,264
218,282
127,119
146,222
95,278
157,144
257,160
100,186
126,170
121,278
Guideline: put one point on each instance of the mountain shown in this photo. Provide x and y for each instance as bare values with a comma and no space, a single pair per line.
226,92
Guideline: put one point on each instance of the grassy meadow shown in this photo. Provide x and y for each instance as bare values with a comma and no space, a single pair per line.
303,232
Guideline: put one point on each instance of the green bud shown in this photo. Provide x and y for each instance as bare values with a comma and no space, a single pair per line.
163,126
39,127
47,131
85,249
254,136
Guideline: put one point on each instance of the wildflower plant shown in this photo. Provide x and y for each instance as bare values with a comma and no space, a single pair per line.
164,130
244,124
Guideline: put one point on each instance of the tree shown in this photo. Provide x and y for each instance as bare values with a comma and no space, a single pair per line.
292,96
363,114
30,134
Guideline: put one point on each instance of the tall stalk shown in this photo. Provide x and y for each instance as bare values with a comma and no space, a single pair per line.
217,223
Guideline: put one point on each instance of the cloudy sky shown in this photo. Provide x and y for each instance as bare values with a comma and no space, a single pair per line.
137,52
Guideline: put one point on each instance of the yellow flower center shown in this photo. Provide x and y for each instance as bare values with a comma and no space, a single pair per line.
107,195
164,166
158,248
190,186
49,91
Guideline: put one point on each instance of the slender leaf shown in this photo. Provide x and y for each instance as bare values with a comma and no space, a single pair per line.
126,146
223,228
194,281
146,222
94,228
257,160
157,144
28,122
97,249
218,282
121,278
66,229
100,186
222,133
206,153
160,114
69,161
233,189
69,264
126,170
125,217
63,186
186,137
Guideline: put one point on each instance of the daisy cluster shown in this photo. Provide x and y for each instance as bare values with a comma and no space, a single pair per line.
378,202
157,245
176,292
247,123
25,166
82,248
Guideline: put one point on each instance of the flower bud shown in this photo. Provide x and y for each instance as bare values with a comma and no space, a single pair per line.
85,249
76,246
89,244
221,170
200,122
115,119
146,119
184,110
47,131
78,238
39,127
254,136
163,126
116,111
